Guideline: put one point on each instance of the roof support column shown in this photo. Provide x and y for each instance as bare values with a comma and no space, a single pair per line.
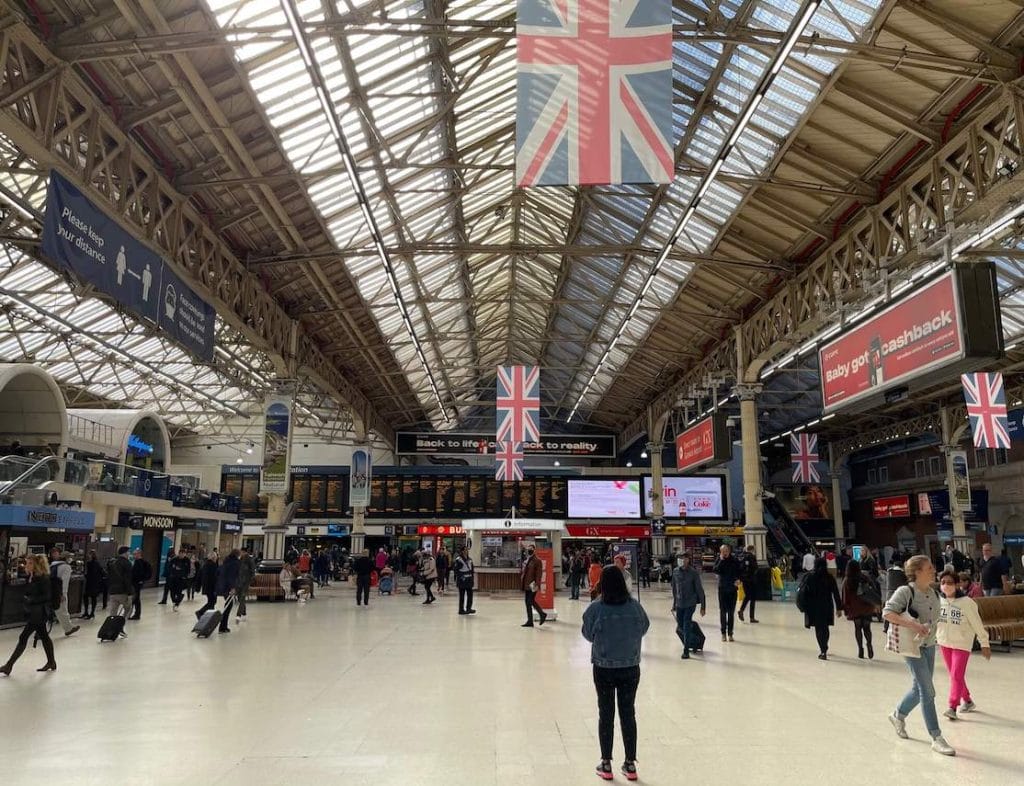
962,542
835,468
655,447
747,388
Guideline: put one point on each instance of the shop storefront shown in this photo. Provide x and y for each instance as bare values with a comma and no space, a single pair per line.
35,530
702,541
154,535
200,534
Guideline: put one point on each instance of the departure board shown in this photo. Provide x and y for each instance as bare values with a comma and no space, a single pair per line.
428,495
393,497
525,493
477,498
336,487
541,494
460,495
377,501
410,495
557,499
443,496
493,497
508,497
300,493
317,495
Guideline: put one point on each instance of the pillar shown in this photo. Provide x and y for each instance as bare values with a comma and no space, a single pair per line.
754,531
273,533
962,542
655,450
835,467
358,529
475,549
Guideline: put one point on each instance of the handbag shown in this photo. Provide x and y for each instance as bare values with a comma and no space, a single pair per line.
903,642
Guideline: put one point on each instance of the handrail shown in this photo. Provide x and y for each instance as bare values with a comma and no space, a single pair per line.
20,480
91,430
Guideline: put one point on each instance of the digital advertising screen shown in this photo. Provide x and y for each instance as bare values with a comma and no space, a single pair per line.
698,497
604,499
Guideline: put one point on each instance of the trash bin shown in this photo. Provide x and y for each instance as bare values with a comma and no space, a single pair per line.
763,583
894,579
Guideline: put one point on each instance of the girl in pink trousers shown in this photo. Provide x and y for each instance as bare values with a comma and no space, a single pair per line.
959,623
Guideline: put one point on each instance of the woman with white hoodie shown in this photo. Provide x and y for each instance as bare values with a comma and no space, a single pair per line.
959,623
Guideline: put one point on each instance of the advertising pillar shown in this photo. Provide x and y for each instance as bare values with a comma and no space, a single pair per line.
359,494
958,482
546,594
754,532
274,476
835,469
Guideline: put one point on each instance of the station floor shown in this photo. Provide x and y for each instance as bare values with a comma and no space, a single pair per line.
402,693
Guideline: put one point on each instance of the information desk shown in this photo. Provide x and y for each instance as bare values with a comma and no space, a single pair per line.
496,579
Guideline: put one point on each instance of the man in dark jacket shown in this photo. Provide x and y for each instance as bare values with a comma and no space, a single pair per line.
142,572
246,573
119,583
227,586
177,577
529,582
363,567
208,585
687,593
728,569
167,578
748,577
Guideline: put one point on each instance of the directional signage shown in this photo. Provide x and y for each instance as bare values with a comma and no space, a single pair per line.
80,237
707,442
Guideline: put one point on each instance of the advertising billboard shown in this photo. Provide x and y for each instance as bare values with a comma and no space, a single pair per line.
432,443
948,321
706,442
604,499
697,497
897,507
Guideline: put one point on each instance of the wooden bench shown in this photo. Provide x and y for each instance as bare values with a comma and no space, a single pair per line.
1003,617
265,586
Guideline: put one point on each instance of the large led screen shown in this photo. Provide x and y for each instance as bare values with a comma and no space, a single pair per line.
604,499
697,497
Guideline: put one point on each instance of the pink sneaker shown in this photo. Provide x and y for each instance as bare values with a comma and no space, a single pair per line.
629,770
604,770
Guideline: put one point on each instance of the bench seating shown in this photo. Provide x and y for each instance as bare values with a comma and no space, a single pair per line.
1003,617
265,586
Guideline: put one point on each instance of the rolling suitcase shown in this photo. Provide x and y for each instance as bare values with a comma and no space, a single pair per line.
696,638
113,627
208,623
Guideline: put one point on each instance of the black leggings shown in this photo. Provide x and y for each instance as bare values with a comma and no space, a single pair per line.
38,628
620,683
727,610
748,597
821,634
90,605
862,631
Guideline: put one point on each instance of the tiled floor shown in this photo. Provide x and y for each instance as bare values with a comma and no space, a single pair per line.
405,694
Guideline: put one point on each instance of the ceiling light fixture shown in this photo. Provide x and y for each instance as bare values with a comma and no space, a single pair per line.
706,182
316,76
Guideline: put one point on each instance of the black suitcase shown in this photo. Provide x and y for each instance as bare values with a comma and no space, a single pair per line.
696,638
113,627
208,623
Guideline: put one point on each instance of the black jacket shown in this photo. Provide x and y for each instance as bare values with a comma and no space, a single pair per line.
822,599
748,566
246,571
142,572
38,596
93,577
177,569
363,566
728,571
208,577
227,577
119,575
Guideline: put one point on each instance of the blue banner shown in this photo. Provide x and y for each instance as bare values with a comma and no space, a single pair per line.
1015,423
50,519
938,502
80,237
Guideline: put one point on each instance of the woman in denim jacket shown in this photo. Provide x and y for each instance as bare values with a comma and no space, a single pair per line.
614,625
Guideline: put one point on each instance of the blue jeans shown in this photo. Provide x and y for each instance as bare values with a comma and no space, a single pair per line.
992,593
684,616
922,691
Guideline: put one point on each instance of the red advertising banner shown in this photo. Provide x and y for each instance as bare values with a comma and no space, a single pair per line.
440,529
706,442
918,334
546,593
613,531
891,507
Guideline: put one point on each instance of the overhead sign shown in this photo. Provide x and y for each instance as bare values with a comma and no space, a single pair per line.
80,237
231,526
704,532
891,507
953,318
140,446
440,529
437,444
707,442
516,525
45,518
608,531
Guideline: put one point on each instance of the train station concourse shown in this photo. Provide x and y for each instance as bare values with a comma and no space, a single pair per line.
511,391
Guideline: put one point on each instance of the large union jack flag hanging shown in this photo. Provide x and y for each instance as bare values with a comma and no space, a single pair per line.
508,461
803,449
518,404
986,408
594,92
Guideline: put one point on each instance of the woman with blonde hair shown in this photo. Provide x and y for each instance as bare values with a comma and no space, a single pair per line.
915,610
38,602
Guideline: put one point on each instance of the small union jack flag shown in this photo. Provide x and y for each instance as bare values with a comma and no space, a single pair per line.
518,404
508,461
986,408
594,89
803,449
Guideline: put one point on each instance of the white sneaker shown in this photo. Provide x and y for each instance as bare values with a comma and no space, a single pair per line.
968,706
900,725
950,713
939,745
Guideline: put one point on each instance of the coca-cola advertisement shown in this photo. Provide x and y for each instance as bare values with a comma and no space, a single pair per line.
949,321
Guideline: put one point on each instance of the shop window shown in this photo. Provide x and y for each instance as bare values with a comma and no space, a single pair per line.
934,466
883,474
981,457
920,469
872,476
1000,457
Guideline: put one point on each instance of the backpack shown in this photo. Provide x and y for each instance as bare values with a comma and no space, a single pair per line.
868,592
802,592
56,588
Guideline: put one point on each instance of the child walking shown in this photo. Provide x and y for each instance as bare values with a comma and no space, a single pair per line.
959,623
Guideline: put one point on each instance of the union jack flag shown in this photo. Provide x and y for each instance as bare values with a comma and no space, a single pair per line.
986,408
518,404
594,92
803,448
508,461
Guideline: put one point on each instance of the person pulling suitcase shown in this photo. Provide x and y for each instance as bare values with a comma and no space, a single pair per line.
687,593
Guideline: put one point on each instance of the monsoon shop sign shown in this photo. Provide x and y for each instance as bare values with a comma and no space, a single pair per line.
78,236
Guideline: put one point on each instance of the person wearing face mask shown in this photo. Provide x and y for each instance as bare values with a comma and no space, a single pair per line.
529,582
687,592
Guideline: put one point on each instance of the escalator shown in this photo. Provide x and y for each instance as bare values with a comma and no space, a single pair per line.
784,530
31,481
